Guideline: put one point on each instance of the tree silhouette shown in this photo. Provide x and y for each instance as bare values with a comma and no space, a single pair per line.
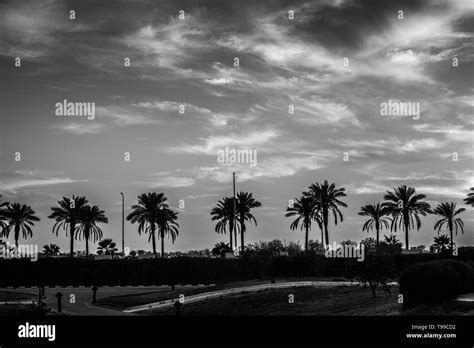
244,206
224,214
303,209
67,217
87,227
327,198
147,214
378,219
441,244
50,250
168,225
18,218
469,200
106,247
448,213
404,204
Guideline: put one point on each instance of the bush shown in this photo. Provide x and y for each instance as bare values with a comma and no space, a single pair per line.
435,282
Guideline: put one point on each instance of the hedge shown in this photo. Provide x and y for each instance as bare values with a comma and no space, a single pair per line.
435,282
183,270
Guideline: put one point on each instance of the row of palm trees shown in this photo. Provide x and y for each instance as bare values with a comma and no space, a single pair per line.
401,209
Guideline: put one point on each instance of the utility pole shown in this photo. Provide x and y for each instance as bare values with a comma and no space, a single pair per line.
123,225
235,221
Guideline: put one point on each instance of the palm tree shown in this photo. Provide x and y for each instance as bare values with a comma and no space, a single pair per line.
377,214
146,214
245,203
440,244
50,250
303,208
404,204
88,219
106,247
67,216
469,200
327,198
224,213
167,223
448,213
18,218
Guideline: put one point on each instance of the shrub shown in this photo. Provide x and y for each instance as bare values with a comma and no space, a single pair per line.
435,282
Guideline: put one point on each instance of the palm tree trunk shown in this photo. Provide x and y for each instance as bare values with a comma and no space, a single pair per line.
306,240
406,236
153,240
322,237
162,244
87,246
325,222
17,235
377,228
71,231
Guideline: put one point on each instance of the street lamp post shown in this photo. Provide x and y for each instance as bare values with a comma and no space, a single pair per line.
123,225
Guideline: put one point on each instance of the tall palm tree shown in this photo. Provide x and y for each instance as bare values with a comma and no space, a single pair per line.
106,247
87,227
469,200
224,214
378,219
245,203
448,213
327,198
167,223
146,214
67,217
404,204
18,218
50,250
303,209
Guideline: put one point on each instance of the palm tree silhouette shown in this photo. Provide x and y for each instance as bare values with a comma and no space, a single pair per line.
327,199
448,213
87,224
378,219
106,247
440,244
18,218
404,204
303,208
67,216
224,214
245,203
146,214
469,200
51,250
167,223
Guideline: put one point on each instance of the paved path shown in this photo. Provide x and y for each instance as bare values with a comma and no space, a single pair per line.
239,290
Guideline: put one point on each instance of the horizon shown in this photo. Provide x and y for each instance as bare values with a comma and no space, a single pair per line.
308,101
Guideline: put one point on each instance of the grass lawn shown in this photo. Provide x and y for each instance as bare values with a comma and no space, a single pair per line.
16,296
340,300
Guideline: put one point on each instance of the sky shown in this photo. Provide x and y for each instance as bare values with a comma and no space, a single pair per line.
335,62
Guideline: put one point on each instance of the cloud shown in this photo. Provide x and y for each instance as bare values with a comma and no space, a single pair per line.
19,180
212,144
